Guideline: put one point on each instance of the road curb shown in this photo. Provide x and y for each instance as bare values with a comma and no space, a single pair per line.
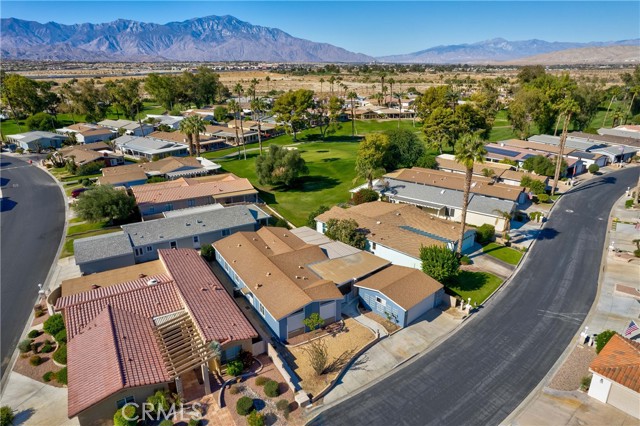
572,345
47,281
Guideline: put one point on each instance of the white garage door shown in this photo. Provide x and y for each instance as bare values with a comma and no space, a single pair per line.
295,324
624,399
328,311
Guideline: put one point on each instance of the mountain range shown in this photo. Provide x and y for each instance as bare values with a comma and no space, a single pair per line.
226,38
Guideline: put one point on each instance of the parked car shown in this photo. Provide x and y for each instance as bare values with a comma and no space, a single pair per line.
76,192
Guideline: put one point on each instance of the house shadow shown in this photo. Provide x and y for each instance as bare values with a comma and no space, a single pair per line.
5,163
607,180
4,181
7,204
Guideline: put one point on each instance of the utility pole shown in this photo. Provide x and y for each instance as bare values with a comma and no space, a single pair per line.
563,139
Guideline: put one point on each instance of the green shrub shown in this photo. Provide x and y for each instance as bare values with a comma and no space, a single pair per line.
54,324
89,169
636,252
38,311
234,368
166,422
439,263
255,419
594,168
208,252
46,348
311,219
6,416
543,198
365,195
244,405
159,401
585,382
61,336
485,233
120,420
602,339
261,380
47,376
282,405
35,360
271,389
628,204
194,422
25,345
234,389
464,260
60,356
61,376
33,334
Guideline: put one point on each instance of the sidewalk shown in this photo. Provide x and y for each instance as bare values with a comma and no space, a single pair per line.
392,351
489,263
352,310
35,403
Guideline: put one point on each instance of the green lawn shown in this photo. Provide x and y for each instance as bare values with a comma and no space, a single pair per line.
475,285
85,227
506,254
67,249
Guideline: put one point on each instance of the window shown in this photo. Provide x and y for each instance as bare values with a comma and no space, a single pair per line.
173,244
191,203
381,301
169,207
139,252
373,246
196,239
124,401
149,248
261,309
225,232
152,209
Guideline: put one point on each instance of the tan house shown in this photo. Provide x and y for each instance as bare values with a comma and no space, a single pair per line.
169,168
97,152
207,143
88,133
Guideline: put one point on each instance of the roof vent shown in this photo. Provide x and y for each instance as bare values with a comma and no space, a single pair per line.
300,267
142,275
267,247
285,235
95,287
268,274
258,285
187,224
199,221
152,281
378,222
298,277
442,191
239,245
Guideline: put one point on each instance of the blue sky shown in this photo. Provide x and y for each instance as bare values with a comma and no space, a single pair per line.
372,27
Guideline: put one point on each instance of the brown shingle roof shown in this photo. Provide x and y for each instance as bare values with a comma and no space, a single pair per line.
446,164
184,189
121,178
165,165
619,361
405,286
534,146
442,179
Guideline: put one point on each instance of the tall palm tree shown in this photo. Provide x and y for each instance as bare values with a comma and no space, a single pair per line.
234,107
332,81
391,82
469,150
259,106
197,126
353,95
254,86
186,127
506,215
321,84
267,79
399,95
239,90
568,107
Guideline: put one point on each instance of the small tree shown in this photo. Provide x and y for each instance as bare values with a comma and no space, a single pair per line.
54,324
405,149
124,413
313,321
6,416
346,230
255,419
280,166
272,389
244,405
365,195
485,233
372,154
427,161
594,168
536,186
602,339
208,252
158,401
105,202
318,356
439,263
311,219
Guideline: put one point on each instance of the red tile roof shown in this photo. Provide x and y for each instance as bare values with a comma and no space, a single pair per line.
619,361
112,343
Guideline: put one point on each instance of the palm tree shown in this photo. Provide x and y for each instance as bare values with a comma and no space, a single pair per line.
364,170
391,82
568,107
197,127
353,95
259,105
267,79
235,107
332,80
239,90
186,127
321,84
489,173
506,215
254,85
399,95
469,150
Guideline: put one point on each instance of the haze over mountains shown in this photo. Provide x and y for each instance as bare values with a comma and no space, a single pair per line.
225,38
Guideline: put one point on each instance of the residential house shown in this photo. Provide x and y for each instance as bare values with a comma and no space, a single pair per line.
182,193
286,279
96,152
612,140
499,172
400,294
149,148
168,168
616,375
37,140
129,127
631,131
87,133
171,121
131,338
615,149
552,150
268,130
141,242
207,143
229,134
396,232
497,152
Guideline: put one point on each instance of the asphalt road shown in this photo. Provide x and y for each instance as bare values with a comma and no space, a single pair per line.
485,370
31,225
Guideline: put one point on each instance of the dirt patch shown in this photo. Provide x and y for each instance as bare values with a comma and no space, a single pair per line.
36,372
340,348
573,369
263,403
388,325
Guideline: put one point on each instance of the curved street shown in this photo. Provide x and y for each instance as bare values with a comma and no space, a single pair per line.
485,370
31,223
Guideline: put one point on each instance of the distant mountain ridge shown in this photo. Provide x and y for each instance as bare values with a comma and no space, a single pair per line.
211,38
495,50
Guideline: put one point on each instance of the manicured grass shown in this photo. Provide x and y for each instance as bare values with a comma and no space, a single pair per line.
76,220
67,249
84,227
506,254
475,285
